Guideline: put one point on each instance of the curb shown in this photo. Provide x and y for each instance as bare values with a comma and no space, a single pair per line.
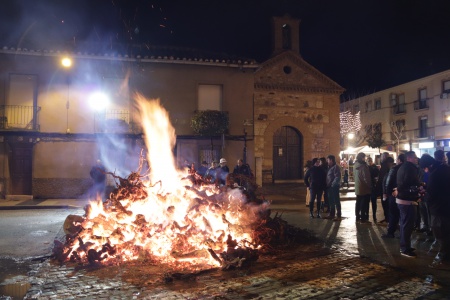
21,207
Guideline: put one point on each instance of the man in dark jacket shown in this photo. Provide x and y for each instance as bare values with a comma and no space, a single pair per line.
407,194
390,185
326,204
316,182
242,172
437,197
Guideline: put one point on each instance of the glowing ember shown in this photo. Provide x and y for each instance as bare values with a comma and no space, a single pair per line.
162,215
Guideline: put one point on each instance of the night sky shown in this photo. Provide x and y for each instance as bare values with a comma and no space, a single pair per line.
363,45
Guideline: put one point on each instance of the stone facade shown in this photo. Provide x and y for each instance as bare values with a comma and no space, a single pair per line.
290,92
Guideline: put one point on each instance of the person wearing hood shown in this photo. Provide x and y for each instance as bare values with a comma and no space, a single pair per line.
363,188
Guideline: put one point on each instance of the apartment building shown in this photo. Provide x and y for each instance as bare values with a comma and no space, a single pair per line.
413,116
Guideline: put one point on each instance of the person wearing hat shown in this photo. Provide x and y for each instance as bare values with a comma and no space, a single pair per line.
223,171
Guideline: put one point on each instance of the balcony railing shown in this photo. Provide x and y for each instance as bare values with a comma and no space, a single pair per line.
18,117
113,121
399,109
421,104
423,133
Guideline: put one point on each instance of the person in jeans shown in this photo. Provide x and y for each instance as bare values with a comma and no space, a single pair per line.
407,194
316,181
333,185
363,187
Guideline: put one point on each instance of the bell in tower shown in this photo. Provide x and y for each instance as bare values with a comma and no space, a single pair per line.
285,34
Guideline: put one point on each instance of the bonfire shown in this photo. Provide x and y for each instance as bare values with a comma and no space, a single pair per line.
165,215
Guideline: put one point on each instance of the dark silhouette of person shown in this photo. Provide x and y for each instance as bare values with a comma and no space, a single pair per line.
316,181
98,175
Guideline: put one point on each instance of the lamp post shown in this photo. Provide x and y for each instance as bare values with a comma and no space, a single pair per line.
66,62
350,137
245,146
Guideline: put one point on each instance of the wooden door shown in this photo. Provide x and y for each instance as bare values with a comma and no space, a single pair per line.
287,154
20,164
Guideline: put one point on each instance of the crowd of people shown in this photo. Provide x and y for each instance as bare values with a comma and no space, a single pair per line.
219,173
414,196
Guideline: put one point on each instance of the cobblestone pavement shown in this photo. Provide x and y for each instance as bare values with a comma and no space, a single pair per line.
349,261
310,273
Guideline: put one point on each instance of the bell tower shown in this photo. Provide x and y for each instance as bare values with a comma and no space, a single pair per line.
285,34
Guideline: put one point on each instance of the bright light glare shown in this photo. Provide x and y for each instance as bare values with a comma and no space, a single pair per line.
66,62
351,136
98,101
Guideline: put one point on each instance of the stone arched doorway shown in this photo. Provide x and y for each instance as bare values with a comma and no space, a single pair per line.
287,154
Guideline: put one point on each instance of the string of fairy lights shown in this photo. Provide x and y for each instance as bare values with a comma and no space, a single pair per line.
350,122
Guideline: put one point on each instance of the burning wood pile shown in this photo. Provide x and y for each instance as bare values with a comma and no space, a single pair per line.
203,225
164,216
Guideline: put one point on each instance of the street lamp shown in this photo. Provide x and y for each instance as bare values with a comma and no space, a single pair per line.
66,62
98,101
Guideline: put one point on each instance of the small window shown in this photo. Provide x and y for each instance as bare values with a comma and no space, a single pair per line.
423,121
394,99
210,97
446,117
287,69
356,108
446,86
377,104
423,94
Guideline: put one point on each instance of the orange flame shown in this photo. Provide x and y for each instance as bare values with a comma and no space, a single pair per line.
175,222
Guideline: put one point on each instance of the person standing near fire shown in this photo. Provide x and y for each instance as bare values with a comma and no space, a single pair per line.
211,173
98,175
223,171
240,170
316,182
